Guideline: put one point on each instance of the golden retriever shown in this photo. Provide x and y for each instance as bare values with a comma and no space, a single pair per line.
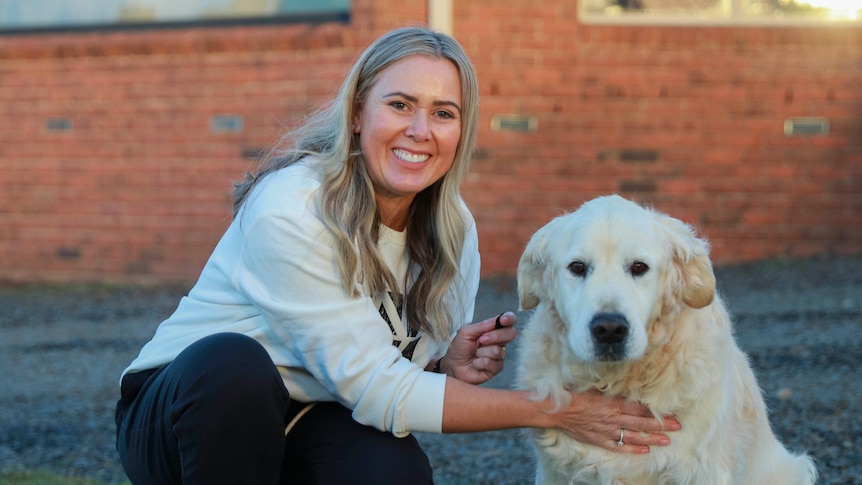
625,303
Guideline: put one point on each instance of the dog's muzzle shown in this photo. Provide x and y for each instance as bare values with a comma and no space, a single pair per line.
610,333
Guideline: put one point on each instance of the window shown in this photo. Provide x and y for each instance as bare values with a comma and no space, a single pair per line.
29,15
729,11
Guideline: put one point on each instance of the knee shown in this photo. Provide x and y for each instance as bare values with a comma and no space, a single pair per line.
227,354
231,364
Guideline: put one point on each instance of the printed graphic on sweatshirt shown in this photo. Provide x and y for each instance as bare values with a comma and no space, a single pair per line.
404,336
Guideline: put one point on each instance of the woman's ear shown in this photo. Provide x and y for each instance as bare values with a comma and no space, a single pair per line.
356,119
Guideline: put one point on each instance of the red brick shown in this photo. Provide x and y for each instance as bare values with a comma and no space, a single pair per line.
140,185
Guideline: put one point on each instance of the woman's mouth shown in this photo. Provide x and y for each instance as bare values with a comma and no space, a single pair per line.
410,157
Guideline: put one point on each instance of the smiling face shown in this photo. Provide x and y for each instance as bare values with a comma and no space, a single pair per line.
409,126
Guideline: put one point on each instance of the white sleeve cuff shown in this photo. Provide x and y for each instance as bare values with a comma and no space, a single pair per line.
422,410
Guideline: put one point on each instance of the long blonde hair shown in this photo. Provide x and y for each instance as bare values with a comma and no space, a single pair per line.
437,222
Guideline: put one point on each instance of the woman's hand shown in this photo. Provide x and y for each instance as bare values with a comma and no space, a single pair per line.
593,418
478,351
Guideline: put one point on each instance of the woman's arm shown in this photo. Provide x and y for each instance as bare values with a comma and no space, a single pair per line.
590,417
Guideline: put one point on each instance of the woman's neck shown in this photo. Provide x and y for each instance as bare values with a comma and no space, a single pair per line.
393,212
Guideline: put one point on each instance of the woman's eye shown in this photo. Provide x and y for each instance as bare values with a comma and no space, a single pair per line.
445,115
398,105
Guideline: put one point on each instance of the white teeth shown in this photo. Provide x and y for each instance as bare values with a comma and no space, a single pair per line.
410,157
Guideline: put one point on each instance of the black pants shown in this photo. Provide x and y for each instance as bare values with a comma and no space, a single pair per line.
217,413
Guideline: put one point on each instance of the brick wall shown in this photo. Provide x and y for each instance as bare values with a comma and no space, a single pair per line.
689,119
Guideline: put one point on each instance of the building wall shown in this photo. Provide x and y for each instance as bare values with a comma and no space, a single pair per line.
687,119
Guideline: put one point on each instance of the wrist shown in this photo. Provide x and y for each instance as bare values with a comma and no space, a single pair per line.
440,367
545,414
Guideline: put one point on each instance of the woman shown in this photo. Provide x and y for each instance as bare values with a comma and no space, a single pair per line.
331,319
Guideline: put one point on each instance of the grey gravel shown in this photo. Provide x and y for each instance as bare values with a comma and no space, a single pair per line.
63,347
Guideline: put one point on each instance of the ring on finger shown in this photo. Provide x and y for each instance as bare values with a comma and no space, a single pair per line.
622,434
503,354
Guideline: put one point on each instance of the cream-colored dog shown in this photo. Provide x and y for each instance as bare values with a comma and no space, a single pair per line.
625,303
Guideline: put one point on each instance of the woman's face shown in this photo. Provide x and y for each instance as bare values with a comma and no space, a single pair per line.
409,127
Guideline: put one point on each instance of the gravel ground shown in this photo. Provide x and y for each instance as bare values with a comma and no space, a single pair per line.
63,347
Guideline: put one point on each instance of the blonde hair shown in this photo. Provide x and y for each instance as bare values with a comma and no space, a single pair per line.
437,220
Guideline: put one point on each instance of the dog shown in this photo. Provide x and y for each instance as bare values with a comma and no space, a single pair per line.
624,301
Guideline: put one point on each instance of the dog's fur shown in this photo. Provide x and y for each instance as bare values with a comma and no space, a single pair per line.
660,336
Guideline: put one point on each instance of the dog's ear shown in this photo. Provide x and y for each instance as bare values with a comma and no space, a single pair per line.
531,268
692,273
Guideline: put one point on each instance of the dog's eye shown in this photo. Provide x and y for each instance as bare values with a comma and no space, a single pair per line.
578,268
638,268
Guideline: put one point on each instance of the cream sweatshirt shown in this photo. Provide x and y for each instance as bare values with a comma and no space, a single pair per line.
273,276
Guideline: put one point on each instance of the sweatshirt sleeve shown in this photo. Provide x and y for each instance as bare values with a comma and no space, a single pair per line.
287,269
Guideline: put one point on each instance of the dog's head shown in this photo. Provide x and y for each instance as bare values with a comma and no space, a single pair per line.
610,270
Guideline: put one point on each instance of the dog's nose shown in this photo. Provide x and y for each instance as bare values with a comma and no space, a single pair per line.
609,328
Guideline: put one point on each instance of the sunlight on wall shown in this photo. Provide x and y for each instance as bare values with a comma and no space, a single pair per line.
836,9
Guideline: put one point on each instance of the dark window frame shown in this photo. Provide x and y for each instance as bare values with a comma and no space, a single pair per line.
302,18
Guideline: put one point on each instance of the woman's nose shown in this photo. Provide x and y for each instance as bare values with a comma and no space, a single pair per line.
418,127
